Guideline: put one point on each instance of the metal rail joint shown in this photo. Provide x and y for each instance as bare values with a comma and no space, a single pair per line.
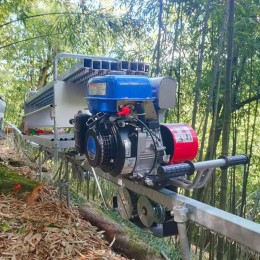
180,214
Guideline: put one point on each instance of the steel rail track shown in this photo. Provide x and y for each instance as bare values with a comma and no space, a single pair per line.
235,228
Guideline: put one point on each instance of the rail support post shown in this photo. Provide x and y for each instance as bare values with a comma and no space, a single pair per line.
180,214
40,166
67,179
64,183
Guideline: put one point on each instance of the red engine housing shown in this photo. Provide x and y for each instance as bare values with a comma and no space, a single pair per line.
181,142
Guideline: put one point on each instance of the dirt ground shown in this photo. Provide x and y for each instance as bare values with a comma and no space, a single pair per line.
38,226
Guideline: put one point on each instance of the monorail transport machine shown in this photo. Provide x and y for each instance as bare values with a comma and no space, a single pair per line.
116,111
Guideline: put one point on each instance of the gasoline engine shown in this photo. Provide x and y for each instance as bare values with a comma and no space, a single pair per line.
123,134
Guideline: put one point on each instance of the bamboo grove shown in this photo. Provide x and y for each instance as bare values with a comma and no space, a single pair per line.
211,48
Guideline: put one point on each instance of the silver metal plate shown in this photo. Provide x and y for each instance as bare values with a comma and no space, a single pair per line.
124,203
145,211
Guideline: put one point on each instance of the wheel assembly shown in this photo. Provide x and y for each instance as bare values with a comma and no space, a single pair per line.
126,201
150,212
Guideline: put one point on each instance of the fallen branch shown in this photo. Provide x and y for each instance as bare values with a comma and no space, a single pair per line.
122,241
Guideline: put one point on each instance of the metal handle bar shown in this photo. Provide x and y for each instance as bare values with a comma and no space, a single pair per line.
188,168
199,181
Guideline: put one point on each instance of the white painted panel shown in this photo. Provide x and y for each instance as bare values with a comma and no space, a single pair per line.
39,118
69,98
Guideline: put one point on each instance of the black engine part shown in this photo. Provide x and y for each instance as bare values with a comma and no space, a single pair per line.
80,130
105,147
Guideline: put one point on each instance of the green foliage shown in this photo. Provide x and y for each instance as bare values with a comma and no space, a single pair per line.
5,226
12,225
9,178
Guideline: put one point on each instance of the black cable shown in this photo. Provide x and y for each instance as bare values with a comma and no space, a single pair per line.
155,147
148,129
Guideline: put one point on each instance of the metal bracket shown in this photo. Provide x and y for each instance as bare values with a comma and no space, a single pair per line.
180,214
200,180
52,112
40,162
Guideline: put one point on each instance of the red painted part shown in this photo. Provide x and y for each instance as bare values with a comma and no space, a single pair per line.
125,111
181,142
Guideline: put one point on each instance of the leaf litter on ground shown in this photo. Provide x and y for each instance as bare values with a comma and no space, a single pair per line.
48,230
40,227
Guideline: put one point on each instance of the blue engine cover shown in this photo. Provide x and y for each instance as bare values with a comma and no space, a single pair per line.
103,92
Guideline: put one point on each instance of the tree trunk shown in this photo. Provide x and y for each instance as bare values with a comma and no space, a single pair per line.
44,72
199,72
176,34
246,167
254,211
227,118
124,242
158,45
213,87
199,67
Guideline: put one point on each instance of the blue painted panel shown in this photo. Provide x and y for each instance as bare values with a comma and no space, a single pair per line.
104,91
